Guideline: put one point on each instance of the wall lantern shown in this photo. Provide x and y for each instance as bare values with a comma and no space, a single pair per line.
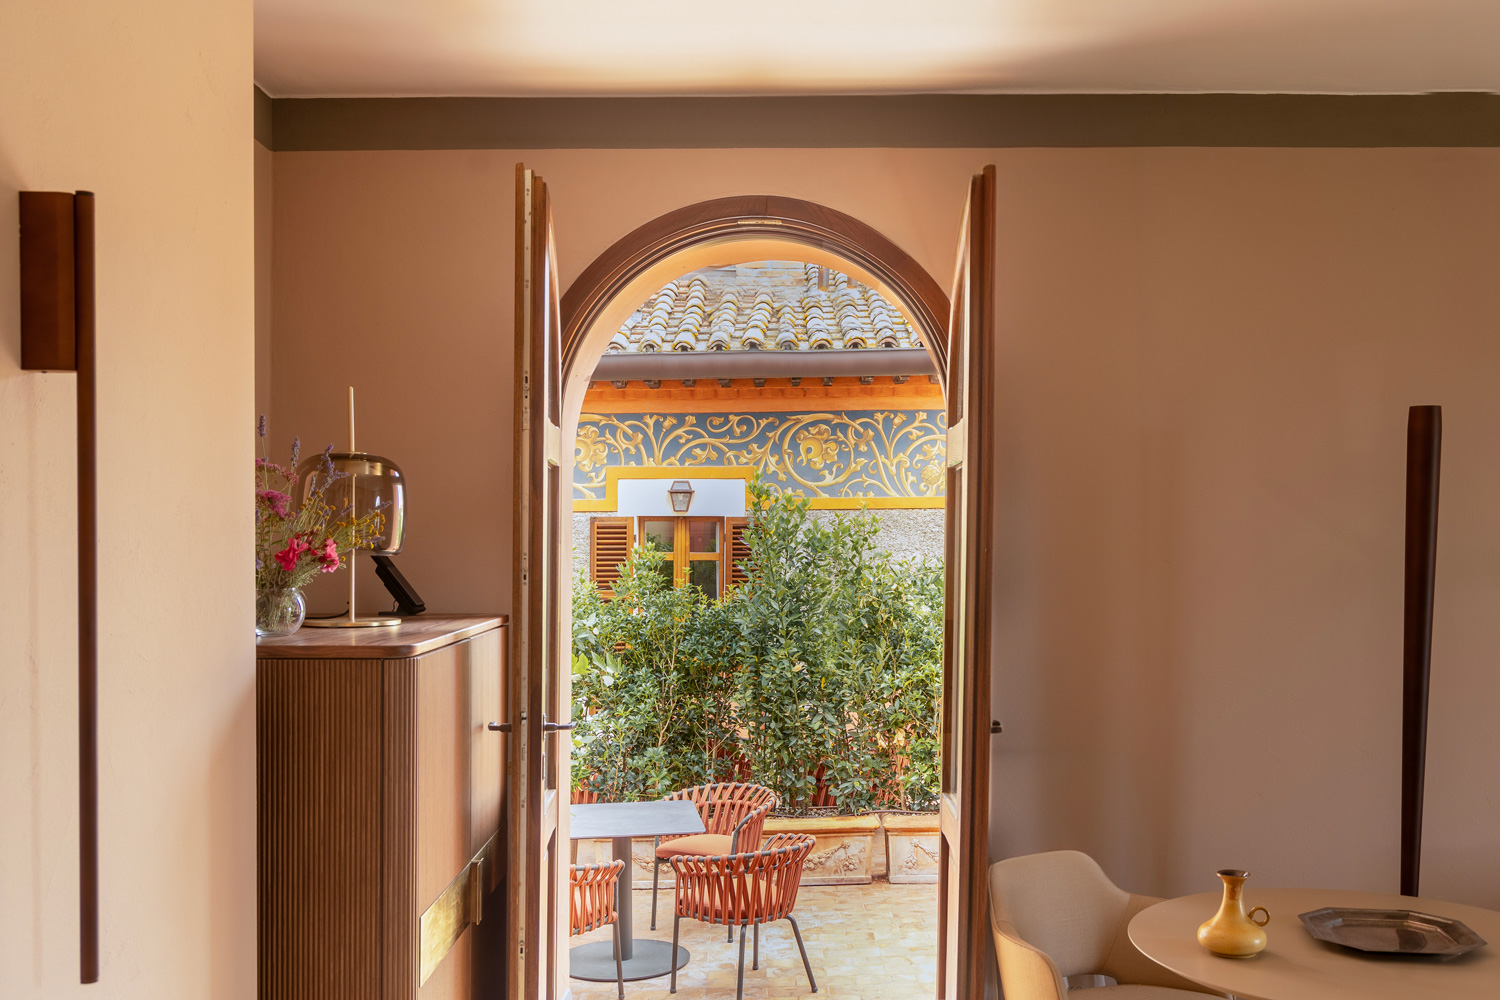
682,496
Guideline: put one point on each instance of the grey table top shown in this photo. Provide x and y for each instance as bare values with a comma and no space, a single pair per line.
609,820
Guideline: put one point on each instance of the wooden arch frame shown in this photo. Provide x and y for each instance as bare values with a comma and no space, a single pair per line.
749,220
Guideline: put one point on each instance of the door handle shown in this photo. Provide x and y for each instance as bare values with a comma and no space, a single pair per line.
499,727
557,727
995,728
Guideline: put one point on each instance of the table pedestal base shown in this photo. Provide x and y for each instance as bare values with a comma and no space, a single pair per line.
649,958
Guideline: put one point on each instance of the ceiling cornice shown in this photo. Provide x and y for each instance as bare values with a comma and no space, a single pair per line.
930,121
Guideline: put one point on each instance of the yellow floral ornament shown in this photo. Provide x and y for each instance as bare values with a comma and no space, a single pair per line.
818,447
851,455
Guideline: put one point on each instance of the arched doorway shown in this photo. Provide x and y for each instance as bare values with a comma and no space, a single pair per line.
560,339
712,235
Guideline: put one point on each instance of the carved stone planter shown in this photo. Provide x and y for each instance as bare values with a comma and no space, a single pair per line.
911,847
845,850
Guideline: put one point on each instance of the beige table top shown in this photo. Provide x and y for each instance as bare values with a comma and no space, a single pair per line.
1295,966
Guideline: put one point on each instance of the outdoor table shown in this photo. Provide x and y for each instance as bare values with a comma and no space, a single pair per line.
620,821
1296,966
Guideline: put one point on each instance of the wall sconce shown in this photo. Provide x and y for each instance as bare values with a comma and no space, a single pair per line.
57,335
682,496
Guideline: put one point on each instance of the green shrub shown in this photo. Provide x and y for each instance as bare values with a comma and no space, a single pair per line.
651,686
818,677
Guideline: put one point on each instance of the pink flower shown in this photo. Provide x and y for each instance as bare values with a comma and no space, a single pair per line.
275,499
288,556
329,557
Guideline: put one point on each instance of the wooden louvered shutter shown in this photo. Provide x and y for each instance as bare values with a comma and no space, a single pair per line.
736,550
609,546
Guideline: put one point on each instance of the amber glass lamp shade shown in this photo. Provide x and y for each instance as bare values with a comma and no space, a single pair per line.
369,481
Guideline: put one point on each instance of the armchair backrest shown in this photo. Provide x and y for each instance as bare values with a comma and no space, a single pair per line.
730,807
1061,903
751,887
591,896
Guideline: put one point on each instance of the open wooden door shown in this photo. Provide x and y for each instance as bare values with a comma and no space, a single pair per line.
537,685
963,809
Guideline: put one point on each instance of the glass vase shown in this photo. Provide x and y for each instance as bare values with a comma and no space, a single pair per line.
279,611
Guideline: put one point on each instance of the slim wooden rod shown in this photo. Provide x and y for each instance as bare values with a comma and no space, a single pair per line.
1424,445
88,593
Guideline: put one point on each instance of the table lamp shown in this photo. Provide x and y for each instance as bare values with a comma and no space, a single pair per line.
369,482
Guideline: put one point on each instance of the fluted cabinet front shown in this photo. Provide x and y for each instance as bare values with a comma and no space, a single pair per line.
378,786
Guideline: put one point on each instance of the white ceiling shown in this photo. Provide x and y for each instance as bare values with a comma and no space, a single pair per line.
619,47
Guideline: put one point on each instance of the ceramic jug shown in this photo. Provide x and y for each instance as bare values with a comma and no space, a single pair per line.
1232,932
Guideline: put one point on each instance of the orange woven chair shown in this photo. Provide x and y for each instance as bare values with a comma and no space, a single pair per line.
591,904
733,813
748,889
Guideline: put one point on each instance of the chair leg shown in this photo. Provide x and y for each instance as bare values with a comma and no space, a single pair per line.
805,963
655,877
676,929
619,966
755,948
739,985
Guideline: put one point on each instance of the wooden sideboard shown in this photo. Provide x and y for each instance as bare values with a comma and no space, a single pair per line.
379,793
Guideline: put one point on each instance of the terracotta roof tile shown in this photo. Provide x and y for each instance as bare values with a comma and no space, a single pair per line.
793,306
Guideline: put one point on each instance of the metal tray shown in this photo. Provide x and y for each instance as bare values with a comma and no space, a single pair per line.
1399,932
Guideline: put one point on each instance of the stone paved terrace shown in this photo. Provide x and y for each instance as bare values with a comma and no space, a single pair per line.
871,942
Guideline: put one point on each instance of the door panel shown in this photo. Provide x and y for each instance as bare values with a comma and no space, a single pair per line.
963,810
535,683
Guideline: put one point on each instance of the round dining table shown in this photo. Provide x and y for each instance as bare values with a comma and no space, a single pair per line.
1296,966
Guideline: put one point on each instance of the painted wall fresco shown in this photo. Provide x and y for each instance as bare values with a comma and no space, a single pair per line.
853,454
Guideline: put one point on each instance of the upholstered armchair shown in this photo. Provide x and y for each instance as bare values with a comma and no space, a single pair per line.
1057,916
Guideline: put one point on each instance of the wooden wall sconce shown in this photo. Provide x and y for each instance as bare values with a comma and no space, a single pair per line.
1424,451
57,335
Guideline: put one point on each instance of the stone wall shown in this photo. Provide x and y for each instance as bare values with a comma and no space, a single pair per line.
905,534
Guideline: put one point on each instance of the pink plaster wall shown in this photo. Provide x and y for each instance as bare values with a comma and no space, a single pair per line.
1205,361
147,104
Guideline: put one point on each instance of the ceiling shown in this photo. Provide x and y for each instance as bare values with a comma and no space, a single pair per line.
660,47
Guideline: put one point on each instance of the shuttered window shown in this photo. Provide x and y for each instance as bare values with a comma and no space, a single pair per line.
610,539
736,551
701,551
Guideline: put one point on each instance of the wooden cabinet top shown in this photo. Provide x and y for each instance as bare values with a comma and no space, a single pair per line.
413,637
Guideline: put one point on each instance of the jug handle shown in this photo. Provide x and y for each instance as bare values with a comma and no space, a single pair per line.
1259,923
